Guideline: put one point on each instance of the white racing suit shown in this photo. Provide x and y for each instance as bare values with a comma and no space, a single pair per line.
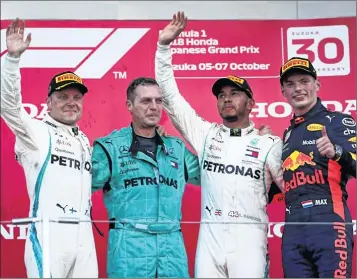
57,163
236,173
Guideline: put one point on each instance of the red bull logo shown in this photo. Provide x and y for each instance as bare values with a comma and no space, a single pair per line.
300,179
297,159
341,249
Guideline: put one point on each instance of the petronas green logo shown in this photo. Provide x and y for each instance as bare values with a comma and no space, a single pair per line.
254,142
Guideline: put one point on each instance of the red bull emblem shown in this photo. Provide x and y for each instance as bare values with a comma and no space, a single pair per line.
293,162
297,159
299,120
300,178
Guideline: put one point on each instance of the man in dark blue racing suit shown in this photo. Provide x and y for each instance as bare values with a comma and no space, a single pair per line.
319,156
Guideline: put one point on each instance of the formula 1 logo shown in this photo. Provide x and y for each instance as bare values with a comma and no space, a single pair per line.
327,47
91,52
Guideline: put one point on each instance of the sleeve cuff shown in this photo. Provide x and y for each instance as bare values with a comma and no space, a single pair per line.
162,47
11,64
345,157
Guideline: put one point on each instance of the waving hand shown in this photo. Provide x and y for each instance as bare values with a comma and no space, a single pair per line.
173,29
15,38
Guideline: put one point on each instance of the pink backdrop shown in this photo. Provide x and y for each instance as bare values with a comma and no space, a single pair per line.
108,54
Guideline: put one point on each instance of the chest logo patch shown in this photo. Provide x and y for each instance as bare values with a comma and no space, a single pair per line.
254,141
314,127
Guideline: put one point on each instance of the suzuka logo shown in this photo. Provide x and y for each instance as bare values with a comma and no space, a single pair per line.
327,47
91,52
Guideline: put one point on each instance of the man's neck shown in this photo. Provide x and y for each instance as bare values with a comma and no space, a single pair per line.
60,122
241,124
143,131
302,111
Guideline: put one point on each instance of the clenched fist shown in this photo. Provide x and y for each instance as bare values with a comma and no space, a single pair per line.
325,146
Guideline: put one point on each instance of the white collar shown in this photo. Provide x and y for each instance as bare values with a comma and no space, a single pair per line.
73,130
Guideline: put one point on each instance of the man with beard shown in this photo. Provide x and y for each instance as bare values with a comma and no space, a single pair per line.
319,157
143,176
238,167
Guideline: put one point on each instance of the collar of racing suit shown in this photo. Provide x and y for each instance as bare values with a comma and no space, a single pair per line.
318,107
135,144
73,130
238,132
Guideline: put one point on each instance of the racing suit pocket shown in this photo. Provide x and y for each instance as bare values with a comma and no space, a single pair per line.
114,240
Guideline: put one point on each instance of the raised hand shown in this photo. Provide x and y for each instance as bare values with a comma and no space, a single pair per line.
173,29
324,145
15,38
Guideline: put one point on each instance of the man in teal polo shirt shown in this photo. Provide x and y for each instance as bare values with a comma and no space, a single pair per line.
143,176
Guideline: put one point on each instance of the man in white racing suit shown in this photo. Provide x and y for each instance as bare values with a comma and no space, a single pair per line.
56,158
238,166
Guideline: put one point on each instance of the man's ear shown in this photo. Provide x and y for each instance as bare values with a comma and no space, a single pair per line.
318,84
282,90
251,104
49,103
129,105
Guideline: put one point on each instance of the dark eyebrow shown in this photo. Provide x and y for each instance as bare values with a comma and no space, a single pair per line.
303,78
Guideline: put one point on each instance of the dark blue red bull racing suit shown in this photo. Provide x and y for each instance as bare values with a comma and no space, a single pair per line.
315,191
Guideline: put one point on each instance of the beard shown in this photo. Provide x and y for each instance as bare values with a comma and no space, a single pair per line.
231,118
240,114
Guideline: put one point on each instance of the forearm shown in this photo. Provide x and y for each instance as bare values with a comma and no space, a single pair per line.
165,75
10,84
12,110
192,127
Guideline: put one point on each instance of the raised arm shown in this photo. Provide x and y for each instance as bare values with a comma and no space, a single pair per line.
12,110
192,127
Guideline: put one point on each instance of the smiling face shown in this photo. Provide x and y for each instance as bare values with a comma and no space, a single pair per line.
66,106
300,90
